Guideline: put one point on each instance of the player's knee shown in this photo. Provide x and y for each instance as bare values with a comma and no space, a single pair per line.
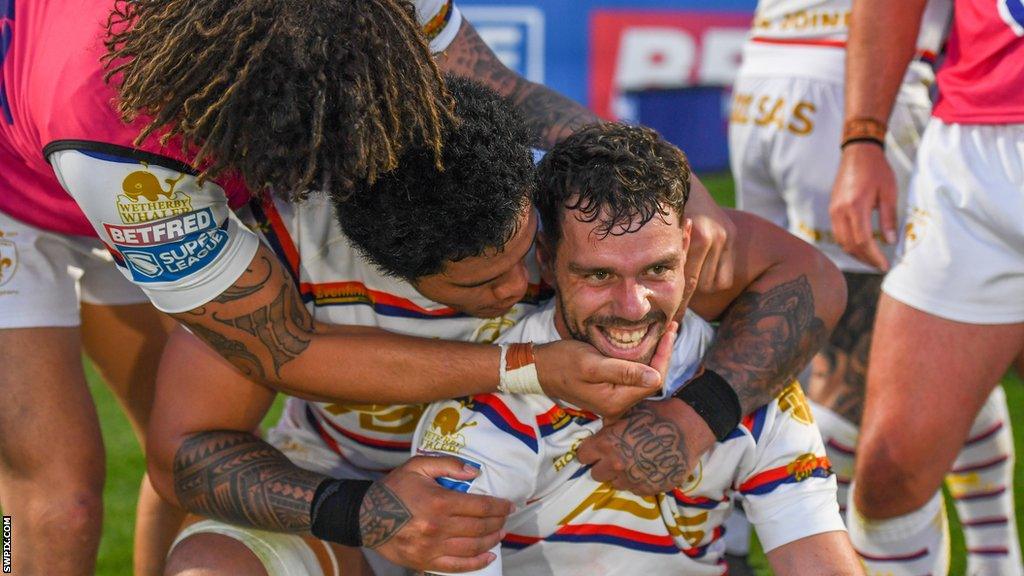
212,555
61,510
889,478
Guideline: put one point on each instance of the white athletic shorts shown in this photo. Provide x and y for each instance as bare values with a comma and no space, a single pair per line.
44,275
784,133
962,251
291,554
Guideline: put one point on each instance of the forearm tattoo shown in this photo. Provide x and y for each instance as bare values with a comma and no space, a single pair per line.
842,365
652,448
262,340
550,116
765,339
381,515
238,478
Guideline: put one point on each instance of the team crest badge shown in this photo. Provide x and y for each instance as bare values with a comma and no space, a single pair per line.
8,259
793,402
444,433
145,198
384,418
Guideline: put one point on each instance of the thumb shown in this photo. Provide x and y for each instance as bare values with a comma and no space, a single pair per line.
887,218
437,466
663,355
625,373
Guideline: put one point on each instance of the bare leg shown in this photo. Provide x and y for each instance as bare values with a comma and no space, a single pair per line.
51,454
125,343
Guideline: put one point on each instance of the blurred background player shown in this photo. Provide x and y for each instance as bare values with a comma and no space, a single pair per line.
951,317
785,130
473,289
170,232
613,242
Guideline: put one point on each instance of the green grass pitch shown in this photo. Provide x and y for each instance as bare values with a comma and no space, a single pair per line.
125,463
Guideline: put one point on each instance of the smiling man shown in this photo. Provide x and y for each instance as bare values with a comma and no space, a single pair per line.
614,245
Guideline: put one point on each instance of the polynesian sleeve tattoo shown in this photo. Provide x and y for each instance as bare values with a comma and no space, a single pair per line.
238,478
258,324
550,116
765,339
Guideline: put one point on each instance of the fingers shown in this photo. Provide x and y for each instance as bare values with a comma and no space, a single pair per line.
663,354
624,373
619,400
589,450
438,466
455,564
887,217
470,547
472,505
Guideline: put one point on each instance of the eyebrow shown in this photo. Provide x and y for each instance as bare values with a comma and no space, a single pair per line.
493,278
575,268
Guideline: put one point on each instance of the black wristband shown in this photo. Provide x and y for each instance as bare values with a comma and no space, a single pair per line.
714,400
334,513
855,140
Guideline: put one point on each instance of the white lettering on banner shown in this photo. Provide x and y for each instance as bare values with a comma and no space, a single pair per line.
192,252
651,57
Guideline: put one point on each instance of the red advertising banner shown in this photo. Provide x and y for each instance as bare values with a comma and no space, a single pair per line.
644,49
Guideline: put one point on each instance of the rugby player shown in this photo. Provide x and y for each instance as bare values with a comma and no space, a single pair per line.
951,317
613,241
473,226
785,124
172,233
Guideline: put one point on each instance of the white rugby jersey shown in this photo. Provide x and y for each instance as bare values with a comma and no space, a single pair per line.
787,37
340,287
566,523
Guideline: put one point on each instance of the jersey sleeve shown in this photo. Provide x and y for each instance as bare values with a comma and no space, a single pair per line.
440,20
176,239
789,492
495,434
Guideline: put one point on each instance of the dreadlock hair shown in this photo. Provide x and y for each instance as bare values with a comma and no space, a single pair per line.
292,94
617,175
417,218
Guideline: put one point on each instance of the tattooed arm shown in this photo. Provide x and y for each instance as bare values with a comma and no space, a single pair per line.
203,456
787,298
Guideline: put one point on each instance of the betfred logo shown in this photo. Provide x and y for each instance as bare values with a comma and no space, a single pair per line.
640,50
160,231
514,33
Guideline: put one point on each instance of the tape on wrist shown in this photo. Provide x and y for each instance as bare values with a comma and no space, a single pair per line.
334,512
714,400
518,371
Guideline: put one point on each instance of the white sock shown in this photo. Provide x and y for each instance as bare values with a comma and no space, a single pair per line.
981,483
840,438
914,544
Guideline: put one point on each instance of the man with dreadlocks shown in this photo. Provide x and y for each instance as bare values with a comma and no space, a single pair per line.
234,97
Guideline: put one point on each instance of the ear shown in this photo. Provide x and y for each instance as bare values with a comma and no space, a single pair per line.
545,255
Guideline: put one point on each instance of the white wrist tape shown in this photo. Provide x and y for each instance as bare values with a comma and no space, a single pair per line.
518,370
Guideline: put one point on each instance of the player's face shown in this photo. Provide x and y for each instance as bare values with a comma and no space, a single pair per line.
618,292
489,285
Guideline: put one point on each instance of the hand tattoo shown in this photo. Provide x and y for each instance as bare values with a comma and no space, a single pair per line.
238,478
273,333
653,448
381,515
550,116
765,340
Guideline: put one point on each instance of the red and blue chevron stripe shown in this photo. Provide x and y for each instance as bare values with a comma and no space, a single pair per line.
701,502
501,416
754,423
518,541
615,536
374,443
769,480
559,417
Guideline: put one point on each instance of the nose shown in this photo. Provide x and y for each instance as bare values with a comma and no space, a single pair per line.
513,285
632,300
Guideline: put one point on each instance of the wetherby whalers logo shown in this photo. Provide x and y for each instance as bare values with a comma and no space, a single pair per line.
386,418
145,198
443,435
8,259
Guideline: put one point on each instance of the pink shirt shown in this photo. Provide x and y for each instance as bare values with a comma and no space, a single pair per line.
52,93
981,80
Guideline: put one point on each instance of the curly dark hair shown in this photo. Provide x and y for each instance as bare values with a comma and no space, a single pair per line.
618,175
292,94
414,219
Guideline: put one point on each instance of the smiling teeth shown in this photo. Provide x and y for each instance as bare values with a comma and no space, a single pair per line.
626,338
